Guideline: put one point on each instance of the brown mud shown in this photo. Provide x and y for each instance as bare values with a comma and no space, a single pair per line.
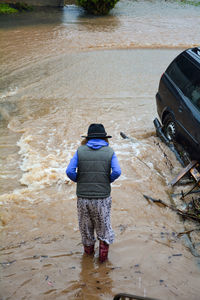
54,84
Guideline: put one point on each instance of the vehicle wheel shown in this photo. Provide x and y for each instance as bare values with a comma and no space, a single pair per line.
169,128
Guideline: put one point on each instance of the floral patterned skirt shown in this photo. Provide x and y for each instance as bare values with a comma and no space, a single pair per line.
94,216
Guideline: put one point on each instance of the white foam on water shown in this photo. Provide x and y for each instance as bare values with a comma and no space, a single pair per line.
137,148
8,176
40,170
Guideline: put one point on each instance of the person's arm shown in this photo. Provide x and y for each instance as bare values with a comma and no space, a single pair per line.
116,170
71,169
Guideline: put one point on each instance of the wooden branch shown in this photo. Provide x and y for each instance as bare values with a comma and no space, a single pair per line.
178,211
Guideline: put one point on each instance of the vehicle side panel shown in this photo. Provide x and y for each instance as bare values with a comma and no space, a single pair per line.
179,95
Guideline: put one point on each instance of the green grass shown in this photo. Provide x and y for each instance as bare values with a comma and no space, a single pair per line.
14,8
195,3
7,9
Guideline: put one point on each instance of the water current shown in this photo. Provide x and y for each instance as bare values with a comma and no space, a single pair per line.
60,71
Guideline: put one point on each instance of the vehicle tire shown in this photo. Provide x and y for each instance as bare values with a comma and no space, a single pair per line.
170,128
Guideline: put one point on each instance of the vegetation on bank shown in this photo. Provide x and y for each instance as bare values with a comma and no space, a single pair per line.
14,8
97,7
102,7
7,9
195,3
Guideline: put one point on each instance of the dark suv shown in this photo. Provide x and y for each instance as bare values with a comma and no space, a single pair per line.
178,101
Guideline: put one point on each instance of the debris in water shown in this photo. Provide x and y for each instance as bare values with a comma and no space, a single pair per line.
114,268
178,211
193,169
138,272
124,136
134,141
168,161
187,232
43,257
7,263
196,205
183,172
36,256
122,228
50,283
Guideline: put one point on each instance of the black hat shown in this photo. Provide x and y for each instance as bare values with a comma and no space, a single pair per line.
97,131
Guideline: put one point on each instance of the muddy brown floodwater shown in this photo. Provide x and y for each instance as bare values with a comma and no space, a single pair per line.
60,71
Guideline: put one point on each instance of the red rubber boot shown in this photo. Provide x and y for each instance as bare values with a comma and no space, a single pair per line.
89,250
103,251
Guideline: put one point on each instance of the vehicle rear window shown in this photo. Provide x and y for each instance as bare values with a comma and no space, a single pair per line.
187,77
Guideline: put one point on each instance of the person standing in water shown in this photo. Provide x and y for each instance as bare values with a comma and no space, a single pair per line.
94,167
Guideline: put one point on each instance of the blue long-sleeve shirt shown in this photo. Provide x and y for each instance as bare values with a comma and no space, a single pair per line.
71,170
